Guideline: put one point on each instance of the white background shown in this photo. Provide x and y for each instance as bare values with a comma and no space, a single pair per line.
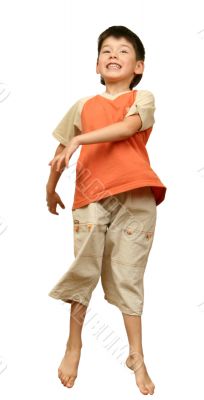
48,57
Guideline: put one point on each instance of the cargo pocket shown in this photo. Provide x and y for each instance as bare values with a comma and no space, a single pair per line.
135,247
131,243
88,239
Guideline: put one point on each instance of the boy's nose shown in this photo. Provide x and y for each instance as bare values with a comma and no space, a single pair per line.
113,56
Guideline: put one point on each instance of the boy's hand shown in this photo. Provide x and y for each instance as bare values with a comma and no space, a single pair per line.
52,200
62,159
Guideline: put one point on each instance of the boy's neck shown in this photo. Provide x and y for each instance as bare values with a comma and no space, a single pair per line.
116,88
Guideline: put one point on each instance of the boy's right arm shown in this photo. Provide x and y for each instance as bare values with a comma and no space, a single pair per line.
68,127
52,197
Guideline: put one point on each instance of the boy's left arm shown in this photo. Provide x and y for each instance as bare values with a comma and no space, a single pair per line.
139,117
111,133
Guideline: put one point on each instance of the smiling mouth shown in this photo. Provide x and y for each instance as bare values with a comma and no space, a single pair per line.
113,66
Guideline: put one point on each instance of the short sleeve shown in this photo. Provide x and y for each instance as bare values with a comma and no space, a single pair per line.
70,125
144,105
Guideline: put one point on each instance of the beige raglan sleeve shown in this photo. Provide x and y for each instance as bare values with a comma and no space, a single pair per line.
70,125
144,105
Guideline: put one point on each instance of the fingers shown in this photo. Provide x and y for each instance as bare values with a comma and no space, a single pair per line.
51,207
67,160
52,210
58,159
61,204
58,166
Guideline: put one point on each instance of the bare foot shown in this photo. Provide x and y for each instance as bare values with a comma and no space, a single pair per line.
136,363
67,371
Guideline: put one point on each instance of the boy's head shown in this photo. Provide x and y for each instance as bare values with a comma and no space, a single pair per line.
121,56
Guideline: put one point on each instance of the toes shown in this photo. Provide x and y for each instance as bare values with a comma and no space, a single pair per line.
151,389
64,379
143,389
146,389
70,382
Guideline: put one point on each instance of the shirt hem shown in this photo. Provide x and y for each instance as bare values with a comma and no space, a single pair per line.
123,188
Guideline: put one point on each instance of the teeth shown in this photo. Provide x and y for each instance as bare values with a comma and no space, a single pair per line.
114,66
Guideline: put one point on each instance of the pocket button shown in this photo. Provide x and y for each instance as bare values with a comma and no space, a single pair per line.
148,235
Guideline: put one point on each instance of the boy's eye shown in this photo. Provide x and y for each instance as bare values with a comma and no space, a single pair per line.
108,51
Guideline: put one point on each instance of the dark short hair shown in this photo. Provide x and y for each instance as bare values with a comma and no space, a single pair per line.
118,32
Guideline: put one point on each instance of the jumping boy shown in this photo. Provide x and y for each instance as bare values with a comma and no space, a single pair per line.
115,200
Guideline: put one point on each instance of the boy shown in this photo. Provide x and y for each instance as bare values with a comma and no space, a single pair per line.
116,194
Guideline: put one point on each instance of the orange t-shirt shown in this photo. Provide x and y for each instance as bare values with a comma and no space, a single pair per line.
108,168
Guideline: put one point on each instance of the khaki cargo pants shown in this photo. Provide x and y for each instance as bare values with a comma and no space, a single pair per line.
112,240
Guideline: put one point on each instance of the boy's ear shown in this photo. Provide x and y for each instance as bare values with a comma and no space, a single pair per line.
97,69
139,68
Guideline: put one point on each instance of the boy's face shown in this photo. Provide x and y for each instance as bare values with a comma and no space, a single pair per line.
117,61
